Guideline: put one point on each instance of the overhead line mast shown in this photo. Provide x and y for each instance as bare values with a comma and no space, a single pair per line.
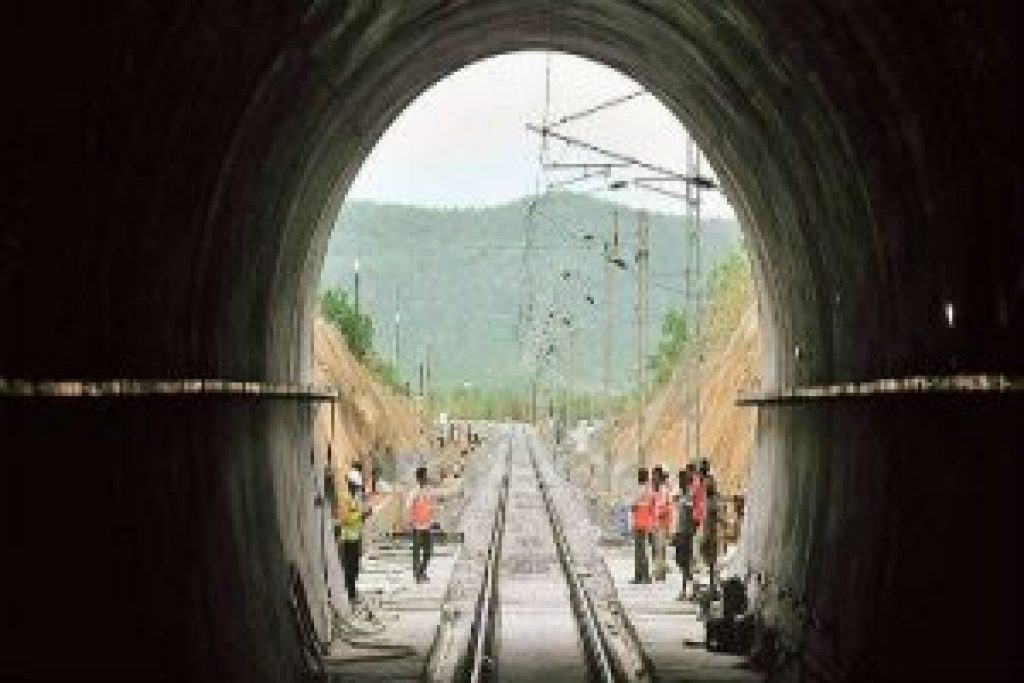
642,254
694,299
528,348
611,257
695,182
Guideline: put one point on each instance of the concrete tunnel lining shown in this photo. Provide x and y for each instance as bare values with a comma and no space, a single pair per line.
219,142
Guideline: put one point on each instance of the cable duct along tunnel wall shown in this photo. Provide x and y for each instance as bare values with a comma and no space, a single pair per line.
174,170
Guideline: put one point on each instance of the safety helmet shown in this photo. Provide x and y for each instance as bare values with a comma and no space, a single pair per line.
355,478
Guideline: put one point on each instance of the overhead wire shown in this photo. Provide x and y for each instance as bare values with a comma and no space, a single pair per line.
549,334
596,108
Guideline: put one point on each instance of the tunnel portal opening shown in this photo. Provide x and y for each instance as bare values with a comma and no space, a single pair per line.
215,147
401,256
388,255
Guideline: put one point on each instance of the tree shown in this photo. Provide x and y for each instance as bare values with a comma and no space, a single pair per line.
386,373
356,327
675,335
731,270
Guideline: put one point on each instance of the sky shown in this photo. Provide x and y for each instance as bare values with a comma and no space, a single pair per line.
464,142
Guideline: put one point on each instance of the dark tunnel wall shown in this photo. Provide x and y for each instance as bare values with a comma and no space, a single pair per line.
173,174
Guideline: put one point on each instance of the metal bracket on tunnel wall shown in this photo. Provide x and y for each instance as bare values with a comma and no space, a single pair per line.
21,388
905,386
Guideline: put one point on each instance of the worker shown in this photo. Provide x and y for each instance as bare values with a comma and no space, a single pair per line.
642,519
705,468
387,470
353,514
697,495
369,472
419,511
683,537
709,535
662,520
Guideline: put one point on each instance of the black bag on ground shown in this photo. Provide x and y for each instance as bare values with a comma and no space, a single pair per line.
734,597
733,632
735,636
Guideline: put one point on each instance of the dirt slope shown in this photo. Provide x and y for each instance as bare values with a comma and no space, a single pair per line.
732,365
369,413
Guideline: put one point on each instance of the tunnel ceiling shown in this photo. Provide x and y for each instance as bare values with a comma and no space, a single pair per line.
219,140
175,169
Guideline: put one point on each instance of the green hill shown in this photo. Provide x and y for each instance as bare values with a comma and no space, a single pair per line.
488,307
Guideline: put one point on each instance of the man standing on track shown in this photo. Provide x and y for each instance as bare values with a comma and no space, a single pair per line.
419,511
685,528
662,520
353,514
709,534
642,521
697,494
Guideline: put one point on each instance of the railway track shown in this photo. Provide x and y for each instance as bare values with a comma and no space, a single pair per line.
538,615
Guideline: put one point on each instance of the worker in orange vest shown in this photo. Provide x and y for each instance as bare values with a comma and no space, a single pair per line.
642,521
420,516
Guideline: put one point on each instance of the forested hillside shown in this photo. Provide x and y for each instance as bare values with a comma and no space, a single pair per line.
483,290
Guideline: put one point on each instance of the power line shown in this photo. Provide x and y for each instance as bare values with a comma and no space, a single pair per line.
596,108
578,179
607,165
545,131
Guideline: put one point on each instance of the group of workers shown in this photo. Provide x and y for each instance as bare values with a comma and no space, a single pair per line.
351,516
418,517
662,514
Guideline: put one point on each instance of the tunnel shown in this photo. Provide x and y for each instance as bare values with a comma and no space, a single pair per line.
173,170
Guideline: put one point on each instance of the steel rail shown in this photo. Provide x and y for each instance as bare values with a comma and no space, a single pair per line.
599,663
483,626
481,658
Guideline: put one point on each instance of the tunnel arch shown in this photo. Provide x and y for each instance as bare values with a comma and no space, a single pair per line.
219,141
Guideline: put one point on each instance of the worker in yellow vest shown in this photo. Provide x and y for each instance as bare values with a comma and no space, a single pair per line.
420,515
352,514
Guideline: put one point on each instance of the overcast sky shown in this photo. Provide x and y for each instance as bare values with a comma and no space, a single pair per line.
463,142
